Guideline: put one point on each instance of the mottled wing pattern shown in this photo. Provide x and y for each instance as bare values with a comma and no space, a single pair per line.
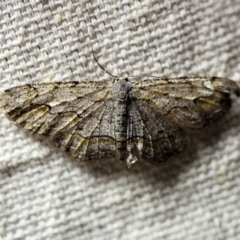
74,115
190,102
156,138
160,108
85,119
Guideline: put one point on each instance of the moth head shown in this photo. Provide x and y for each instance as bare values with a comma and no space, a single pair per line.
119,79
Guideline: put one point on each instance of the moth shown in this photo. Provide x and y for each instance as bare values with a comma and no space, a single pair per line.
119,119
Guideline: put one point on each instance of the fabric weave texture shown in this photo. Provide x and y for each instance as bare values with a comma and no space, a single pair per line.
46,195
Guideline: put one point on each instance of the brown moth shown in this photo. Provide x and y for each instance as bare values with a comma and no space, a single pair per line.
119,119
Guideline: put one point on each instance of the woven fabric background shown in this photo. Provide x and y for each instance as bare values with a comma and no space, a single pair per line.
45,195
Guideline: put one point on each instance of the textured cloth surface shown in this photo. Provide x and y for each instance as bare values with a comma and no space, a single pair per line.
45,195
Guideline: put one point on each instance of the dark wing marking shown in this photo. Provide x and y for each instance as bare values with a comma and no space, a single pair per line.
155,138
76,116
191,102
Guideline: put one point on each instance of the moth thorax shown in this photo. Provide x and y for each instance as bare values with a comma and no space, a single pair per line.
120,89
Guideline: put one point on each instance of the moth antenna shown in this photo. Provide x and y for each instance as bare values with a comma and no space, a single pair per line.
102,66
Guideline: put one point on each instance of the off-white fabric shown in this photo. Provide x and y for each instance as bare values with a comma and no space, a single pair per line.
45,195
